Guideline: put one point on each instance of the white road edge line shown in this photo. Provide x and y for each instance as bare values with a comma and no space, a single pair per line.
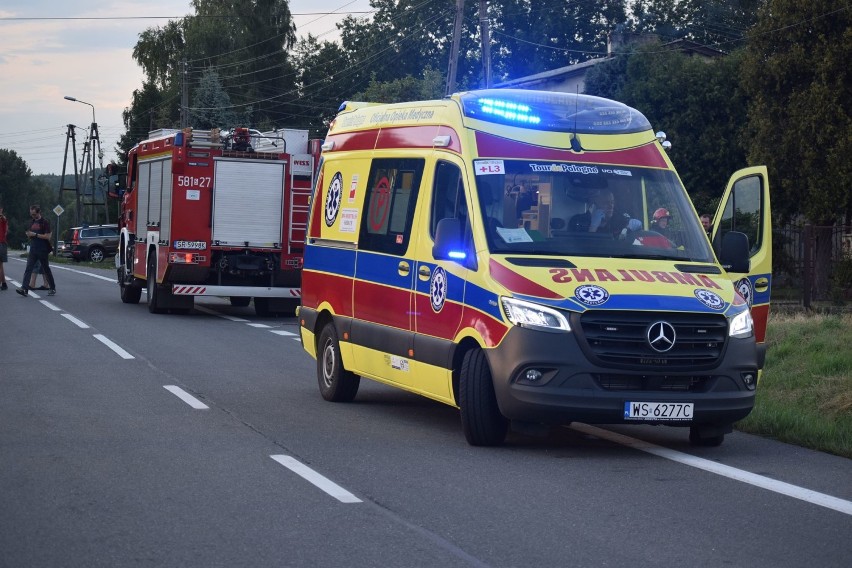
121,352
75,321
51,306
317,479
282,332
186,397
814,497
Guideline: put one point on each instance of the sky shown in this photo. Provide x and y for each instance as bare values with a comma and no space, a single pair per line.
50,49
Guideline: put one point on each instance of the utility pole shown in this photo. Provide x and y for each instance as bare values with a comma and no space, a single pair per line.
69,137
184,96
485,38
452,67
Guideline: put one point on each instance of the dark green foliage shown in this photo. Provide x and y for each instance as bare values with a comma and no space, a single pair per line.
696,101
797,75
18,190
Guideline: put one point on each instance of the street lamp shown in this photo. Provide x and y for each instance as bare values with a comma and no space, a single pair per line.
85,103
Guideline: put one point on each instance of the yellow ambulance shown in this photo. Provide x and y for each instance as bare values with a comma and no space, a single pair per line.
532,258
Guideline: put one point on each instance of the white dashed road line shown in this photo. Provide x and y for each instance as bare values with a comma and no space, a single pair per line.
316,479
186,397
202,309
75,321
761,481
121,352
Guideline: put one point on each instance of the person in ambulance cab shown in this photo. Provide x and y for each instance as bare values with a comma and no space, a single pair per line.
601,217
660,223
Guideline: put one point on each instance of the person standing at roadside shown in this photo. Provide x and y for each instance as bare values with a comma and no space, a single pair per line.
4,249
39,233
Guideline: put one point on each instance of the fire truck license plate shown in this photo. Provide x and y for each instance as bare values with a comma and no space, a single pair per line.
658,410
191,245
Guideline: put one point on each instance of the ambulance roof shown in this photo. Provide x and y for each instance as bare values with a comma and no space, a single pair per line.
552,111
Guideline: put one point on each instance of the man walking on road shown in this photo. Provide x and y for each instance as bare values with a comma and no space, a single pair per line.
39,234
4,251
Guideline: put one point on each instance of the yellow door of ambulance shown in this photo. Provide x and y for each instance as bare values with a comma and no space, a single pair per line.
745,208
439,284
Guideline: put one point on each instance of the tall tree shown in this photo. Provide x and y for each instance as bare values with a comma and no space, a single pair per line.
698,103
797,74
211,104
18,190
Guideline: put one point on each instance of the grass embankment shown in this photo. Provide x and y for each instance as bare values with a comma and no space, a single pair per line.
805,394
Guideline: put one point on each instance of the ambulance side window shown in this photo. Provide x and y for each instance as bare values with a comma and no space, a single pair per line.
390,204
448,199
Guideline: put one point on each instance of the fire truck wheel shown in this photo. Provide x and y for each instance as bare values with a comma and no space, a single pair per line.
481,419
240,301
335,383
129,294
261,307
153,291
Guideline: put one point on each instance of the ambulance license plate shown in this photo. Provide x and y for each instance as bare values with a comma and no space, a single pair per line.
658,410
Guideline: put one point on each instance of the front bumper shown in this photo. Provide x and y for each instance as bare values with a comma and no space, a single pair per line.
574,387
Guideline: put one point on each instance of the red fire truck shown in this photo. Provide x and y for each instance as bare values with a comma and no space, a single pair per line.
216,213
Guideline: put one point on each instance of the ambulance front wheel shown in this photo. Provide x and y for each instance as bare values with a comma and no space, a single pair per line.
481,419
335,383
701,437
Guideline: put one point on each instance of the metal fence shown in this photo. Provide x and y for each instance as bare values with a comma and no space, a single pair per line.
813,260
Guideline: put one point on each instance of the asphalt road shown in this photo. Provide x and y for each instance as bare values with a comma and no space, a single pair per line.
132,439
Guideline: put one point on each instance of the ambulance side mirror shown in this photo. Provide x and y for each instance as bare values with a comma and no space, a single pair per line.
735,250
450,243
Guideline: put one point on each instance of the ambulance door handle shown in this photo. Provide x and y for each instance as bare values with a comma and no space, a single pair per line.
424,272
761,284
403,268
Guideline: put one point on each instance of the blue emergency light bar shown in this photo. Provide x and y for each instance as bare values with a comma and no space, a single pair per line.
551,111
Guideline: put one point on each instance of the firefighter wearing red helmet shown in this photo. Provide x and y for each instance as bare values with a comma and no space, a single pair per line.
660,223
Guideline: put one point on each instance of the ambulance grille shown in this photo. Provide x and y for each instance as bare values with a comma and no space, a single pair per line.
621,339
654,383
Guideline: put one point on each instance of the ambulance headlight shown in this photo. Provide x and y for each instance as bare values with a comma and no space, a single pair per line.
741,325
528,314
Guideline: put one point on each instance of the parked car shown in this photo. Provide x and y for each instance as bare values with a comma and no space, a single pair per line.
90,242
63,249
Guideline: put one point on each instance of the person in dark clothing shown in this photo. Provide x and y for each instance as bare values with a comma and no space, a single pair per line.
601,217
39,233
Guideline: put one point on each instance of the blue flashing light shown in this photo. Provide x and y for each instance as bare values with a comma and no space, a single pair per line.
552,111
512,111
179,139
457,255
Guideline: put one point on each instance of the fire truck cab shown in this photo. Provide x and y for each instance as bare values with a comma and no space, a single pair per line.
215,213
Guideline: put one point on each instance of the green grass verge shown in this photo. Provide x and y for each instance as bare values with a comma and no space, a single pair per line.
805,394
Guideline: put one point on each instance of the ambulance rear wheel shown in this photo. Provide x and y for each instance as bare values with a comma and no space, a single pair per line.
481,419
335,383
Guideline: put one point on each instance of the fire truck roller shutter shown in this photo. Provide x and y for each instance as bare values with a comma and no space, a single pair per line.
166,209
248,201
142,200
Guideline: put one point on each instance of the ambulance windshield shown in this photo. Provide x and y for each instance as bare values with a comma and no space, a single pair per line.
547,208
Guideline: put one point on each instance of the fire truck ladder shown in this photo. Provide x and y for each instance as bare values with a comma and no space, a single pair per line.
300,198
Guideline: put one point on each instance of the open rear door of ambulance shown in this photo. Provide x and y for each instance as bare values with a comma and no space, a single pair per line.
745,208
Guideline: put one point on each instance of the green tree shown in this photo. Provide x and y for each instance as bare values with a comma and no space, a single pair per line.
697,102
18,190
150,106
430,86
211,104
796,72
